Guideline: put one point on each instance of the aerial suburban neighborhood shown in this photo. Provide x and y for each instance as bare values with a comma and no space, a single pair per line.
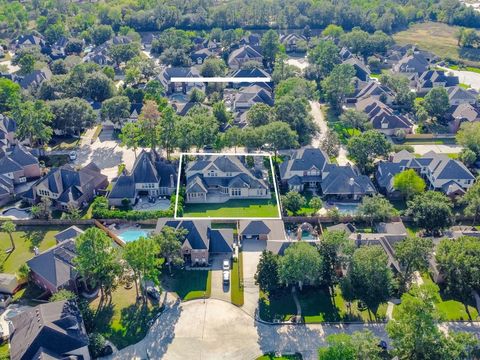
236,179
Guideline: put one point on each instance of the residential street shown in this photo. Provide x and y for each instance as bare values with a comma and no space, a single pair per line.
466,77
215,329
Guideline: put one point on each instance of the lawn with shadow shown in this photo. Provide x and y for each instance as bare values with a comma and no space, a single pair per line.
188,284
261,208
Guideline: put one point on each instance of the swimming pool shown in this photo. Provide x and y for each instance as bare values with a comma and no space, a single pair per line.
17,213
129,235
347,208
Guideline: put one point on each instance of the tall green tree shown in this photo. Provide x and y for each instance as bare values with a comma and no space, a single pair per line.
33,122
409,183
436,102
376,208
458,261
366,147
9,228
279,136
259,114
72,115
334,249
98,261
431,211
472,201
116,109
266,276
338,85
413,254
469,136
9,95
324,57
141,257
170,242
130,137
301,265
415,334
270,44
355,119
370,276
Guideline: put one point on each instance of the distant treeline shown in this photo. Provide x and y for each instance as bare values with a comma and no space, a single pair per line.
151,15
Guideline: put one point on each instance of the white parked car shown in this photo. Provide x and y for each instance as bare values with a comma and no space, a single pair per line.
226,264
226,276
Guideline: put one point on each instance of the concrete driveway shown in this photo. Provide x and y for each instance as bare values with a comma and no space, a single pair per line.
220,290
252,249
439,149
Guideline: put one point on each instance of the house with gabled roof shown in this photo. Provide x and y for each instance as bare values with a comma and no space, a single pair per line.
66,186
243,54
362,72
168,73
303,169
199,56
28,41
345,183
34,79
19,165
383,118
219,178
201,241
250,73
412,63
458,95
429,79
376,91
52,330
290,41
264,230
243,99
151,175
441,172
463,113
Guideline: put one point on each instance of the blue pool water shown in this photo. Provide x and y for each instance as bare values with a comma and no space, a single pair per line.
133,234
348,209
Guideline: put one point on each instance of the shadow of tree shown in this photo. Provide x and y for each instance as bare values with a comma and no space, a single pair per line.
35,237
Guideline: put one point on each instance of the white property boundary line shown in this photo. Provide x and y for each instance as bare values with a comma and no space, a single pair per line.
277,196
221,79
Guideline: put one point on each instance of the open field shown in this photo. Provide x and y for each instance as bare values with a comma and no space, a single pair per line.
438,38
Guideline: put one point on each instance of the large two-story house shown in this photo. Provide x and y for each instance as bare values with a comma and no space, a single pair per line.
151,175
67,186
310,168
383,118
242,55
200,240
441,173
172,87
219,178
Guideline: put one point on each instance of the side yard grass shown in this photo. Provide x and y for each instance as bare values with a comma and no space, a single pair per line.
236,282
188,284
343,132
449,309
272,356
234,209
123,321
25,238
317,306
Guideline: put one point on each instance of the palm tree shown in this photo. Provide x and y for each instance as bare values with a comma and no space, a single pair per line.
9,228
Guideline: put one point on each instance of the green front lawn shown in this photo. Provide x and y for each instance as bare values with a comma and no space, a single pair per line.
236,282
188,284
449,309
25,239
4,351
234,209
317,306
123,321
64,143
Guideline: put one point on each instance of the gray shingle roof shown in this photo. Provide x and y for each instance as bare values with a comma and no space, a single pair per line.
343,180
52,328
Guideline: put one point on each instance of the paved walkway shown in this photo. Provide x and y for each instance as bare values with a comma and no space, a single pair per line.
318,119
439,149
252,249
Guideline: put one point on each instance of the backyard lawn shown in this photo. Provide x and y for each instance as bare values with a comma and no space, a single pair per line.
237,281
188,284
123,322
438,38
316,307
344,132
234,209
26,238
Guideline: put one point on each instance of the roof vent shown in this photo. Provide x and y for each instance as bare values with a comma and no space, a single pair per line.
351,181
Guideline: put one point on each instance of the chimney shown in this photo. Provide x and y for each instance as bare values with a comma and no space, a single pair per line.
351,181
